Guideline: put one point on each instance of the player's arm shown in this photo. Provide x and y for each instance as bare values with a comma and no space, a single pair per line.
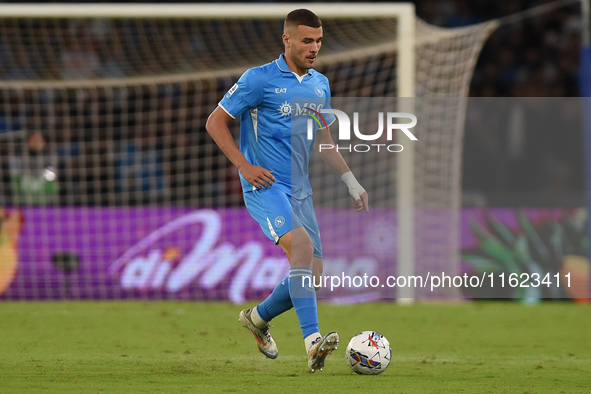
335,161
217,127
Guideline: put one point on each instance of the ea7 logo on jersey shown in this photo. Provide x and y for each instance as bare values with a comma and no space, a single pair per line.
280,90
232,90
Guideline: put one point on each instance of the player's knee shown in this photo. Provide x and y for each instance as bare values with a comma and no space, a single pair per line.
303,252
301,240
298,247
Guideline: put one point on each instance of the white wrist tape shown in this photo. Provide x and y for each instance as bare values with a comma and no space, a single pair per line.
355,189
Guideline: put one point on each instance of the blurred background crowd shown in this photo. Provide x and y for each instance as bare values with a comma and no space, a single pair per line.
536,57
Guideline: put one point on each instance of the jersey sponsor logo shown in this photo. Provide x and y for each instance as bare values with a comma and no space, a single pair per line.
232,90
285,109
318,91
279,221
280,90
304,108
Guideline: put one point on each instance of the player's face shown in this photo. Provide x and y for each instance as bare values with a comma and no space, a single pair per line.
301,47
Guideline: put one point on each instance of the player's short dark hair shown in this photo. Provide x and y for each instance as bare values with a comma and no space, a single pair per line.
302,16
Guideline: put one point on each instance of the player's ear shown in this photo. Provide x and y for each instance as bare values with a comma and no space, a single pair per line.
285,38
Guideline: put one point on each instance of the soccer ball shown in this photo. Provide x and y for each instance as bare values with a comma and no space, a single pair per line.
369,353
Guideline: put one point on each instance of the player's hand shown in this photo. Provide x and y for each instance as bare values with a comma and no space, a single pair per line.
357,192
257,176
362,203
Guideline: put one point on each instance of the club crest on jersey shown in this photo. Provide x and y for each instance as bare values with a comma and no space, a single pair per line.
318,91
285,109
279,221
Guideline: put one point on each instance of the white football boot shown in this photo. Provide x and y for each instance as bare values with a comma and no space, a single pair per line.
320,348
264,339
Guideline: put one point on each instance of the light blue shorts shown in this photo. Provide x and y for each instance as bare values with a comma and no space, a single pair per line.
278,213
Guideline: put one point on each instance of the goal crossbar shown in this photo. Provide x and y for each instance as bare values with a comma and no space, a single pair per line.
198,11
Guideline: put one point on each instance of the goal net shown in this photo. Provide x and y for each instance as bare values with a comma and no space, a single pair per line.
112,188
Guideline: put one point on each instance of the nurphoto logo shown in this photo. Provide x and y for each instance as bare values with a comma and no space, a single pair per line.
345,130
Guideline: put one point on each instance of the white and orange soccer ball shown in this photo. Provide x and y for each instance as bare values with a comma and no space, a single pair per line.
369,353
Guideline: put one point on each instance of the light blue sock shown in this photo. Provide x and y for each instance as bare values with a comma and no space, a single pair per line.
276,303
303,297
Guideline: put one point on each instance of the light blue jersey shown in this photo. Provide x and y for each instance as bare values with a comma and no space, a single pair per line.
262,98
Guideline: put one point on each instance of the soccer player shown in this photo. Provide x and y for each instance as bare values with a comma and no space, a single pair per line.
273,164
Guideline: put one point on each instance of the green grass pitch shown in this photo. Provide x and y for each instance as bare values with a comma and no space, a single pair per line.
178,347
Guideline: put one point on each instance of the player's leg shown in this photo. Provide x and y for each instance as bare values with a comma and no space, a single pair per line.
299,249
272,210
318,347
277,225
